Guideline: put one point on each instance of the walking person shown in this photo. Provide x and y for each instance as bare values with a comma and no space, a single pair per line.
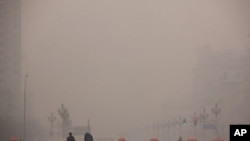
88,137
180,139
70,137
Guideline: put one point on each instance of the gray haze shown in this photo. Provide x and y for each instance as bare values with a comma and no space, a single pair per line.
122,64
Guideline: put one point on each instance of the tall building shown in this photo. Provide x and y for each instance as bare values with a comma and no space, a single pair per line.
223,78
10,68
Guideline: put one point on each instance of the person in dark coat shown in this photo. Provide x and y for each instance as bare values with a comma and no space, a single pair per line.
70,137
88,137
180,139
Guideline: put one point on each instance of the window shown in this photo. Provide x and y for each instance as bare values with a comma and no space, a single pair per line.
232,76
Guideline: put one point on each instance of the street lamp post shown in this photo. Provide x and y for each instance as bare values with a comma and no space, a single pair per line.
24,107
66,123
195,120
174,125
51,119
169,130
203,117
216,111
180,120
88,126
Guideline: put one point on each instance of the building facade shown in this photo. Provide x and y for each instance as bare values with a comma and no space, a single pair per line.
223,78
10,68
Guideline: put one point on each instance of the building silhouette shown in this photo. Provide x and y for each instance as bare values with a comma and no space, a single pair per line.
223,78
10,68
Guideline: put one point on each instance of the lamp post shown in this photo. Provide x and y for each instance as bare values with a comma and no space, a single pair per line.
66,122
168,126
203,117
51,119
195,120
88,126
216,111
174,123
24,107
180,123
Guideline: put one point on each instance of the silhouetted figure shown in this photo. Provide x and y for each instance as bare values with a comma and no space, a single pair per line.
70,137
180,139
88,137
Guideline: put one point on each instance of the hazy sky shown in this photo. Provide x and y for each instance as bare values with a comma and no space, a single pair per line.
118,62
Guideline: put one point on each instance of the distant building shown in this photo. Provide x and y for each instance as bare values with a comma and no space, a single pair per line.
224,78
10,67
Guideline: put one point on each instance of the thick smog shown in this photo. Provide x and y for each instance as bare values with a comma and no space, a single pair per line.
133,70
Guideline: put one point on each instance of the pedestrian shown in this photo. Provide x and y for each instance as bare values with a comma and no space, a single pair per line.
88,137
70,137
180,139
